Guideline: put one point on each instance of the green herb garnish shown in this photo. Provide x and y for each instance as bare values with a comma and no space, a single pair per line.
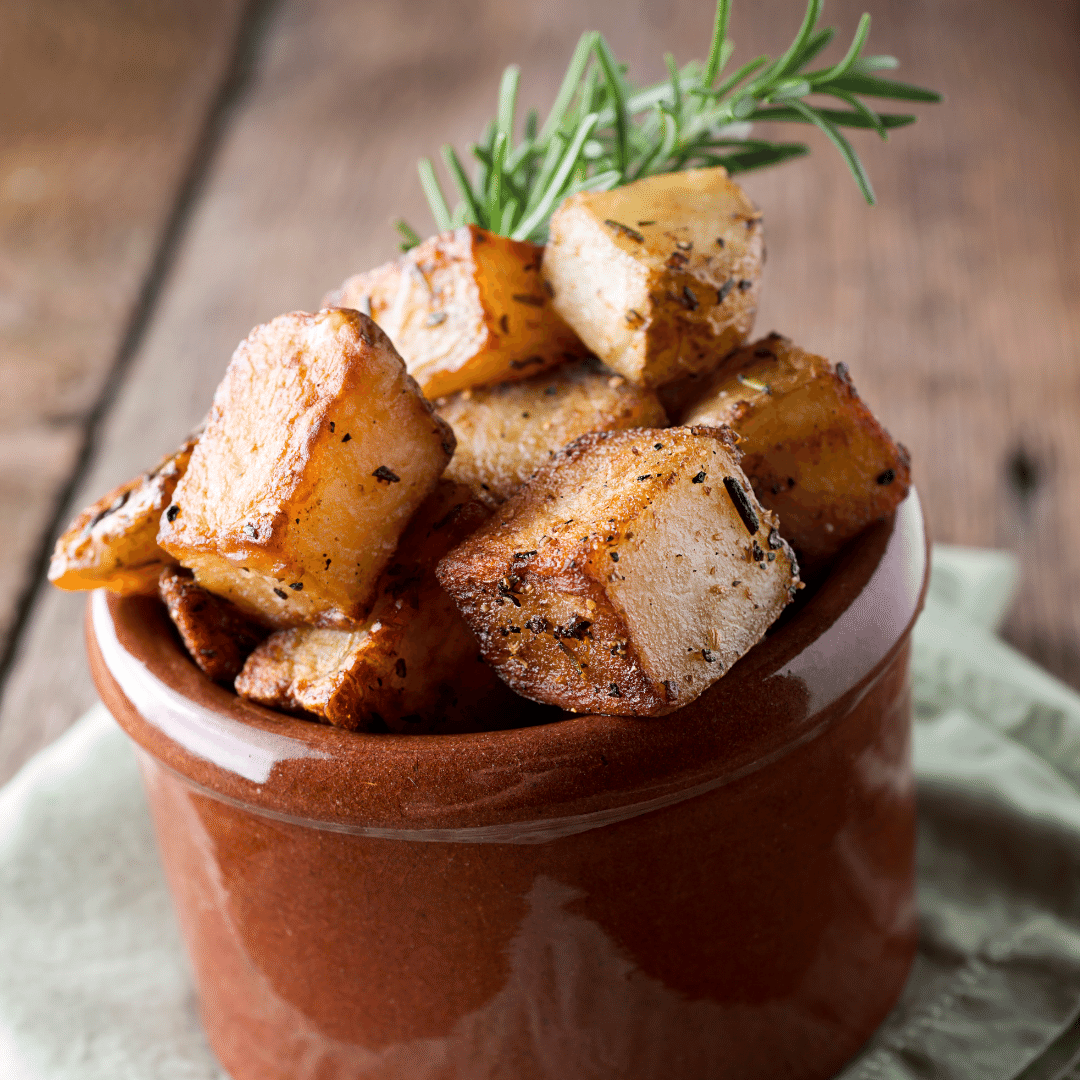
603,132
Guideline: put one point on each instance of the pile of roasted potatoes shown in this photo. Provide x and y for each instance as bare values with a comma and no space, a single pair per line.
490,477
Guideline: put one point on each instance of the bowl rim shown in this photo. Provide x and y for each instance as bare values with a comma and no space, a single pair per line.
524,784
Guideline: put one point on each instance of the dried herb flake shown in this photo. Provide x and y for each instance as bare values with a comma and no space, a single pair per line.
742,504
625,230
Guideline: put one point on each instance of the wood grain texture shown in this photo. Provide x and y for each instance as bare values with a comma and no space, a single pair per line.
953,301
101,105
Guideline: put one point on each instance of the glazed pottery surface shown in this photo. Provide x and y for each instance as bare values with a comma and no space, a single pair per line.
725,892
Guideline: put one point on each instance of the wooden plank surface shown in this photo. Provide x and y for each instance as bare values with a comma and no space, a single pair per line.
953,301
101,108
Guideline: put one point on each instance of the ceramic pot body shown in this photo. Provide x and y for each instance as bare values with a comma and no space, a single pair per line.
726,892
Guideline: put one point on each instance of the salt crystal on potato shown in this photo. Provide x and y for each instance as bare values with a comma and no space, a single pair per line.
317,451
812,450
504,433
627,575
465,308
113,544
659,277
413,666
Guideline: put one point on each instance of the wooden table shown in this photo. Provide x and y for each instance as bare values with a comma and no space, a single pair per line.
171,174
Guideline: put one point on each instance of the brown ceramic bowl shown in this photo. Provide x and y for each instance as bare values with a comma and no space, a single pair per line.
723,892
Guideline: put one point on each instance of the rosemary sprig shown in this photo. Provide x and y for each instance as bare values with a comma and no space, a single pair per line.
602,131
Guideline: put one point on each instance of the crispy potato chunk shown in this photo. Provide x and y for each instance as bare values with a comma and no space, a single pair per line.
506,432
466,308
660,277
217,635
113,544
318,449
811,448
627,575
413,667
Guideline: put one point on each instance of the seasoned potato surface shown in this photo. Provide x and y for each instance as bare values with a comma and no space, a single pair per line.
113,544
466,308
660,277
812,449
627,575
504,433
217,635
318,449
414,666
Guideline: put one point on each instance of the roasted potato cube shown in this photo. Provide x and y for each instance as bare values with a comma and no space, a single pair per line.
627,575
660,277
466,308
413,667
113,544
811,448
318,449
504,433
217,635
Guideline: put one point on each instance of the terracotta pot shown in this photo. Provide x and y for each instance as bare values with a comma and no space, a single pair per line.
723,892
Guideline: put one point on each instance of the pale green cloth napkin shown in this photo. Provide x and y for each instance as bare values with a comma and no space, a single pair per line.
94,985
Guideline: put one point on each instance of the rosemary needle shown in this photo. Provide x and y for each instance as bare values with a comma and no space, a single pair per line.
602,131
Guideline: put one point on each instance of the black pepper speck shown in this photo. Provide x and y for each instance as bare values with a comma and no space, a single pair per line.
386,476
